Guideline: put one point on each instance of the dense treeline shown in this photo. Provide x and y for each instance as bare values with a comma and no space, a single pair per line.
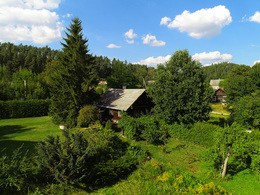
16,57
218,71
25,72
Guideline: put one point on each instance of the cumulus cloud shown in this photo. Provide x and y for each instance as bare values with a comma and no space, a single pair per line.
130,34
212,57
29,20
258,61
151,40
202,23
255,17
165,21
32,4
111,46
152,61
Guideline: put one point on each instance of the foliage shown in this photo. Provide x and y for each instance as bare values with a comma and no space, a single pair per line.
121,76
5,86
180,91
23,108
74,79
154,177
15,172
233,141
144,127
238,83
218,71
95,157
246,111
16,57
201,133
87,115
28,85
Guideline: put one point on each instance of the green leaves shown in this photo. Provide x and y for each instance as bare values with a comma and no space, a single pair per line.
180,92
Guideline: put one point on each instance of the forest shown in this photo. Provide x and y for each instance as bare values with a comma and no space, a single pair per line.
177,148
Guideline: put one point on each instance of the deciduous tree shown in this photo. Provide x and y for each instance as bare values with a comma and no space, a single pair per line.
180,92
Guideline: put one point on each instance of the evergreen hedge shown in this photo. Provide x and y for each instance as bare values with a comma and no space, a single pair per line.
23,108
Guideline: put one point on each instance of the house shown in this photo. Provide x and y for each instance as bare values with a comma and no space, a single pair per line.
219,95
116,101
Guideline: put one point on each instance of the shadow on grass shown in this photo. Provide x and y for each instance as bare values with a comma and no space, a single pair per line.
7,146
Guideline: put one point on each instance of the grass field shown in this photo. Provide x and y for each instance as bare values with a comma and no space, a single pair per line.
26,131
182,155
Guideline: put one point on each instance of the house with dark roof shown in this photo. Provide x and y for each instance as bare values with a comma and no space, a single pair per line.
116,101
220,94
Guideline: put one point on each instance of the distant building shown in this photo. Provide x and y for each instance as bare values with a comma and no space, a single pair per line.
115,101
220,94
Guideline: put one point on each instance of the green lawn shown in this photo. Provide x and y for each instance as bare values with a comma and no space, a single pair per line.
26,131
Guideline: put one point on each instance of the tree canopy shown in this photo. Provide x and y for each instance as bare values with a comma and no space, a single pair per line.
180,92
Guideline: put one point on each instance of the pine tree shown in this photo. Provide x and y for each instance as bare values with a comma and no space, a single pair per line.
74,78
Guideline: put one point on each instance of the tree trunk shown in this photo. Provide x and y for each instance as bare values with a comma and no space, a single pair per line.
226,161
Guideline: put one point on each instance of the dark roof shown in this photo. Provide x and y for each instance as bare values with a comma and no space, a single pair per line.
120,99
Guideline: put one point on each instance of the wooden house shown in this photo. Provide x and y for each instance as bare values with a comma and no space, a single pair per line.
219,95
116,101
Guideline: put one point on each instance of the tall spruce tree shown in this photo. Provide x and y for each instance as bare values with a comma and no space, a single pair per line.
74,78
180,92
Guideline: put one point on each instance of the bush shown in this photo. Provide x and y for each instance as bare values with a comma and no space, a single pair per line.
88,115
94,157
23,108
15,172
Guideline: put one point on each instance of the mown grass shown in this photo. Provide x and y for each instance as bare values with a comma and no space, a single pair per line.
26,132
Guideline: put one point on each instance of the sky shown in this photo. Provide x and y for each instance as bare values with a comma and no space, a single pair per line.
141,31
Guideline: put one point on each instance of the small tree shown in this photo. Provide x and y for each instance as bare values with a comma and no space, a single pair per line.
180,91
74,78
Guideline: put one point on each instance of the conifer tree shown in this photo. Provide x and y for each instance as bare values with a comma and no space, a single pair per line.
74,78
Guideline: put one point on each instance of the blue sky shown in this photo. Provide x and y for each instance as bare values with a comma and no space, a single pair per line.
141,31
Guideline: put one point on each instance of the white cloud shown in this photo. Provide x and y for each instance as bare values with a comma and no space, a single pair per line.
258,61
32,4
212,57
151,40
29,20
130,41
202,23
165,20
111,46
255,17
130,34
151,61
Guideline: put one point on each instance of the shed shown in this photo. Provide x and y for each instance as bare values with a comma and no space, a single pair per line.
116,101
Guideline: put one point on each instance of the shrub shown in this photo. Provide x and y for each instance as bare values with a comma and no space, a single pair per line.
93,157
15,172
23,108
88,115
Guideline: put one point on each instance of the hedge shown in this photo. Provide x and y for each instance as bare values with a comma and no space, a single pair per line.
23,108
